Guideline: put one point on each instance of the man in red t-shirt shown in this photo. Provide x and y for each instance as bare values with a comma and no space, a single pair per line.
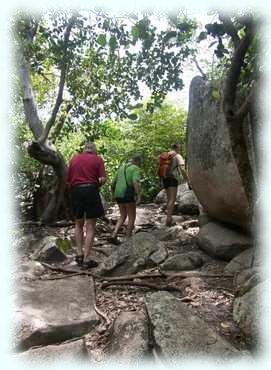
86,173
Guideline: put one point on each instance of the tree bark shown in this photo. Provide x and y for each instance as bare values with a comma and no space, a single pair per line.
47,156
40,149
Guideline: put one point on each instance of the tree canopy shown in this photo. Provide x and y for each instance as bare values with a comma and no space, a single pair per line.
82,74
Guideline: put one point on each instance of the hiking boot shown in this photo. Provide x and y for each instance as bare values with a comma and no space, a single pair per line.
79,259
89,264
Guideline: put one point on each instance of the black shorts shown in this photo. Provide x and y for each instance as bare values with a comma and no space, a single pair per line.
86,202
169,182
125,200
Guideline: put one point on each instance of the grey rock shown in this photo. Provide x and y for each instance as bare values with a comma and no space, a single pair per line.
171,233
244,260
54,310
24,242
183,261
245,275
221,241
188,203
162,196
159,256
132,256
179,334
64,351
129,339
247,311
30,270
212,169
52,249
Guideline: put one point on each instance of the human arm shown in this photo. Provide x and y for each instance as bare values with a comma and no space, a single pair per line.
137,191
136,184
184,173
101,173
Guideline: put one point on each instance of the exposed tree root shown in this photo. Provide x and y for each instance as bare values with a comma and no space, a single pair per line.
142,284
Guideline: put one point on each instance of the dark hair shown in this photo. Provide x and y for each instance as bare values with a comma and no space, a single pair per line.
137,157
175,146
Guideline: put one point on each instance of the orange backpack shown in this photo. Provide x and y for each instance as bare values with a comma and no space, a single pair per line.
165,164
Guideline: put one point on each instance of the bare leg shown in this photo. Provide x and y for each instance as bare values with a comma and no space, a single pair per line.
168,197
172,191
121,220
90,232
78,234
131,211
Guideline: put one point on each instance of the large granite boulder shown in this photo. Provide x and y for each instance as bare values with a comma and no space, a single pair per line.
221,241
54,310
129,339
213,172
141,251
179,333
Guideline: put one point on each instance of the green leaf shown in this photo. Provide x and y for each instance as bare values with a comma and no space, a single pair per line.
101,40
135,33
113,42
216,94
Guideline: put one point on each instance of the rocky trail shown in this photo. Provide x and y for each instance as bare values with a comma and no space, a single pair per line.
165,293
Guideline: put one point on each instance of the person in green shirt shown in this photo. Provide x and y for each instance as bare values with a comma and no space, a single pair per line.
126,192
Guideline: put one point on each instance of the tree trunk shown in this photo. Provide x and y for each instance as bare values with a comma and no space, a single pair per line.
57,201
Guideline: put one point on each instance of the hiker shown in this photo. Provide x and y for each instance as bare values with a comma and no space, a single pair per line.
126,192
86,173
171,170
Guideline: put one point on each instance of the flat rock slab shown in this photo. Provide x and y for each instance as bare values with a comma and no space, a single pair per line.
54,310
221,241
178,333
64,351
129,339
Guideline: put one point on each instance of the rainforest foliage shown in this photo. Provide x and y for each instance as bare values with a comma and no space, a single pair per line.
82,76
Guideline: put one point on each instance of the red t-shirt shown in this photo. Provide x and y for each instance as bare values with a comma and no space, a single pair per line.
85,168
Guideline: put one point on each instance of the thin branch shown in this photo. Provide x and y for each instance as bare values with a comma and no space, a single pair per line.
67,271
64,68
61,122
131,276
199,68
102,315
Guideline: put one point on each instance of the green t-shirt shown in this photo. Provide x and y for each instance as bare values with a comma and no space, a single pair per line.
132,175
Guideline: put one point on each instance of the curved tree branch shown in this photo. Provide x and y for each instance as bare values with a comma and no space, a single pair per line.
26,32
234,72
63,73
